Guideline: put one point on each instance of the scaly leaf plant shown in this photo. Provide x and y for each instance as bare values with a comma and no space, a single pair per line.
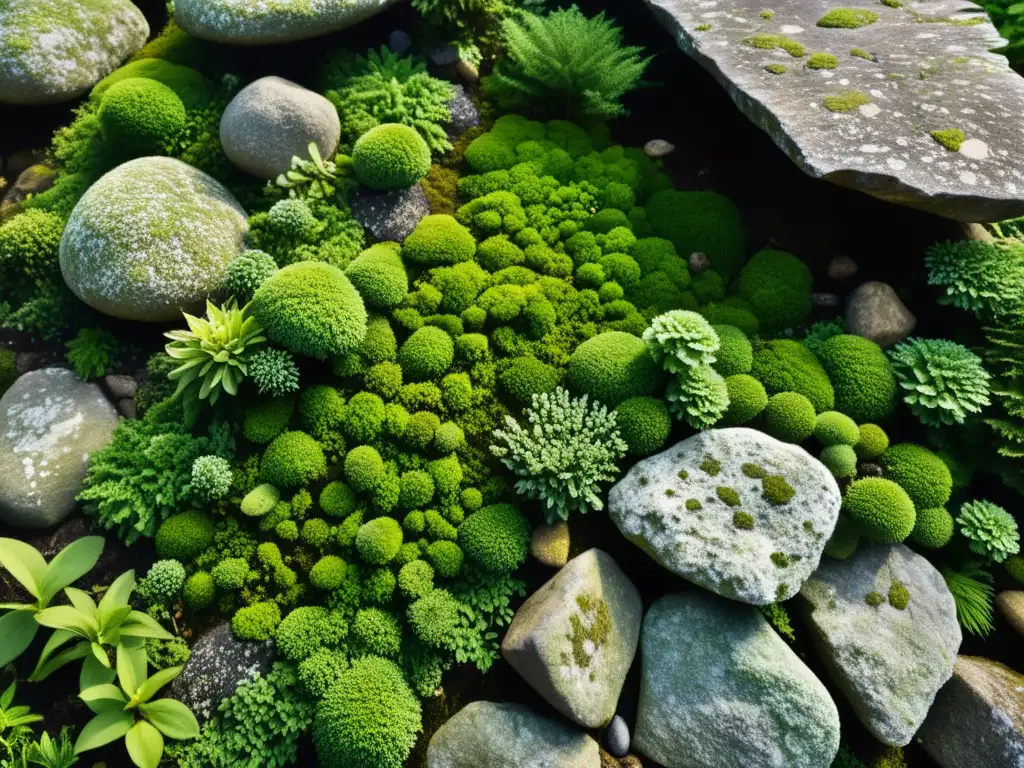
127,710
14,722
315,178
43,581
112,623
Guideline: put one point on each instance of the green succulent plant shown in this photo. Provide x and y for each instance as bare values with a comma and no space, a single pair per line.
942,381
315,178
681,341
992,530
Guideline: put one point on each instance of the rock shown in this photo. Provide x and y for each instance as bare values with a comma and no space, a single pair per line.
574,639
889,663
121,386
31,181
257,22
50,421
616,737
55,50
1011,606
875,312
842,268
656,148
868,123
698,262
33,361
444,56
549,544
720,687
486,733
218,665
150,239
399,42
128,408
696,509
630,761
465,115
974,231
389,215
825,299
272,120
977,720
467,70
22,159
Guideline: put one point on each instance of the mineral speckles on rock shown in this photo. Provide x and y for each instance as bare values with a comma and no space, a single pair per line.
921,67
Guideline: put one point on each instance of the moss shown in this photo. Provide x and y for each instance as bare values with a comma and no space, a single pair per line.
771,42
776,490
776,69
703,27
899,597
874,599
971,22
683,474
780,560
845,101
711,465
754,471
822,61
669,492
860,53
847,18
590,628
767,14
693,505
728,495
892,3
743,520
950,138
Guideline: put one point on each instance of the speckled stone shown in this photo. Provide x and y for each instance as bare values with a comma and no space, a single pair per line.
151,239
50,421
842,268
616,737
258,22
549,544
1011,605
390,215
930,68
656,148
875,312
55,50
465,115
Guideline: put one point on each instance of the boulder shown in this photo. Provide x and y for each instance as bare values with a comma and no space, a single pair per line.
258,22
465,115
875,312
720,687
900,107
732,510
486,733
151,239
1011,606
50,421
272,120
55,50
218,665
390,215
977,720
574,639
885,626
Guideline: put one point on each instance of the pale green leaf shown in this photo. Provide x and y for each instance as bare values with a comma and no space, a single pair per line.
103,729
24,563
172,718
145,745
69,565
18,629
148,688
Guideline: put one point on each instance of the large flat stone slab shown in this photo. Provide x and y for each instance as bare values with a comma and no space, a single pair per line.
921,67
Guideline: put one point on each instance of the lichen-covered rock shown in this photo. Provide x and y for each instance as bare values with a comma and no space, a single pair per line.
732,510
55,50
574,639
272,120
257,22
885,625
486,733
977,720
50,421
903,108
150,239
719,688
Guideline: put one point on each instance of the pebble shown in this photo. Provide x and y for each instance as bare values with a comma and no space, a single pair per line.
121,386
444,56
825,299
549,544
399,42
842,268
875,311
467,71
128,408
699,262
1011,605
659,148
616,737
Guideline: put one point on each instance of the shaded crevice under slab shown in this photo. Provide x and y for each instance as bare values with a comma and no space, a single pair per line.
932,71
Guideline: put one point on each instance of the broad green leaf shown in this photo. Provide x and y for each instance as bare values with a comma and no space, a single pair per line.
118,595
66,617
139,624
104,698
110,630
99,654
172,718
24,563
19,607
131,668
149,687
94,673
43,670
83,603
69,565
145,745
103,729
58,638
17,630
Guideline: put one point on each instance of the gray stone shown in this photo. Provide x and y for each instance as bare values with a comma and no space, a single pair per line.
889,663
930,68
656,148
151,239
31,181
720,687
745,548
875,312
33,361
258,22
50,421
272,120
977,720
698,262
1011,607
399,42
218,665
465,115
444,56
842,268
549,544
819,299
975,231
121,386
616,737
389,215
574,639
128,408
55,50
486,733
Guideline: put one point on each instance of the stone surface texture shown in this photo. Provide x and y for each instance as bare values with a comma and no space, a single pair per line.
54,50
720,687
549,544
751,550
150,239
50,421
1011,606
889,663
875,312
494,735
390,215
574,639
921,67
258,22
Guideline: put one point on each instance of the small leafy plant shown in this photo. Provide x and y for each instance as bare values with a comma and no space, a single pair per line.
314,178
93,353
14,722
53,753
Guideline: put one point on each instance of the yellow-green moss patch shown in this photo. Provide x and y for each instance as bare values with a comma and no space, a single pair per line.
593,623
776,69
754,471
776,490
779,559
767,14
847,18
711,465
950,138
822,61
743,520
845,101
860,53
874,599
892,3
728,495
899,597
693,505
703,27
771,42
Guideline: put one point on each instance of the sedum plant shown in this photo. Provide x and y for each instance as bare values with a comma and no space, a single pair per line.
942,382
681,341
42,580
991,530
314,178
128,710
571,447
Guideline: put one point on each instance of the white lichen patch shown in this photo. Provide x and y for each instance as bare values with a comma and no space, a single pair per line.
976,149
869,110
